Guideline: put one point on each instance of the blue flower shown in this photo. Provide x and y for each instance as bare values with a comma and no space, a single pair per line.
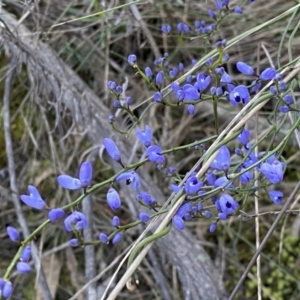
202,82
222,160
112,149
238,10
211,13
77,219
111,84
243,137
244,68
207,214
182,27
178,222
166,29
211,177
148,73
176,189
288,99
113,199
13,233
55,214
191,109
128,101
23,267
239,94
273,172
192,185
175,87
117,237
6,289
26,253
103,238
153,153
222,181
190,92
268,74
144,217
157,97
34,199
130,176
85,178
284,109
246,177
212,227
115,221
131,59
144,136
146,197
276,196
255,86
227,204
159,78
74,242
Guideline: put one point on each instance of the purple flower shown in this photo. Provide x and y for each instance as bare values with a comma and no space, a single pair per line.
288,99
159,78
148,72
7,289
223,181
112,149
222,160
166,29
244,68
34,199
184,209
157,97
273,172
212,227
103,238
182,27
268,74
181,67
55,214
85,178
273,89
211,13
176,189
192,185
180,95
77,219
13,233
146,197
131,59
128,101
256,86
222,216
202,82
246,177
282,86
23,267
191,109
74,242
115,221
119,89
144,217
144,136
243,137
2,283
190,92
211,177
238,10
207,214
117,237
26,253
284,109
113,199
227,204
130,176
153,153
178,222
219,4
276,196
111,84
111,118
175,87
238,94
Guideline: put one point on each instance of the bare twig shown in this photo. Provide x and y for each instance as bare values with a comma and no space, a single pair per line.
264,241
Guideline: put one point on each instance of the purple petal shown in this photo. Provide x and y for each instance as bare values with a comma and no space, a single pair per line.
23,267
13,233
68,182
86,173
112,149
55,214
